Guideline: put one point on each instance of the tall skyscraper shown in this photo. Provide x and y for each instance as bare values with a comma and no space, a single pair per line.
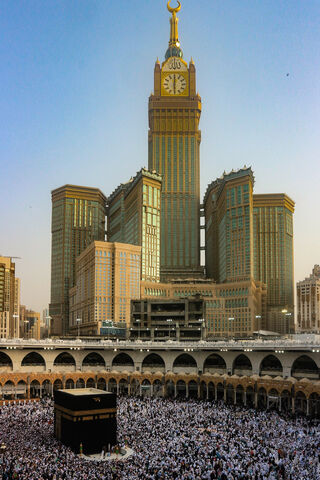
308,303
133,213
273,256
9,299
174,142
78,218
228,227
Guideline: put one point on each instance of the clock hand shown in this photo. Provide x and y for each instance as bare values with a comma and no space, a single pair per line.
174,84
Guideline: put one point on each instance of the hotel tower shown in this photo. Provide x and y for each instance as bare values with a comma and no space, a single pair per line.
174,141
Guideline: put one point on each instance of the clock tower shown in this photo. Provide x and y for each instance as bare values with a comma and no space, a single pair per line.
174,143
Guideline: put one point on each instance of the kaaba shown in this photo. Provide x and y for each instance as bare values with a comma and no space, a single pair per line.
85,419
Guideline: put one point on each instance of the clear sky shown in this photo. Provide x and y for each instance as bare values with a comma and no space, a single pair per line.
75,76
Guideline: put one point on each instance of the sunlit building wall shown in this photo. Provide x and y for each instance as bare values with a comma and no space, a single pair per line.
133,214
273,257
78,218
107,278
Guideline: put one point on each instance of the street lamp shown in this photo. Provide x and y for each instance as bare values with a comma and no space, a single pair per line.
78,321
138,321
16,330
288,315
49,324
203,322
169,320
24,327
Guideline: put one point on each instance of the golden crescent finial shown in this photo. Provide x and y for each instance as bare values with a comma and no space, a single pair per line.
173,10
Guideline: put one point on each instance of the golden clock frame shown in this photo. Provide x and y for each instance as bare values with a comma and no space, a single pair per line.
184,74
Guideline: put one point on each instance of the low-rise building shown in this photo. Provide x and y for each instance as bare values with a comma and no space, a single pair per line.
234,309
9,299
308,303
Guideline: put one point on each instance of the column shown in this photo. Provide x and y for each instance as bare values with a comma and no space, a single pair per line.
255,399
207,388
199,392
245,398
118,388
234,396
151,390
224,393
140,390
129,387
187,390
292,405
280,402
215,393
175,389
163,390
268,400
308,406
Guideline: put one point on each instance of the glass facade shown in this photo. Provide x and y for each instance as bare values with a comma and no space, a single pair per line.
134,217
273,247
177,158
78,218
228,221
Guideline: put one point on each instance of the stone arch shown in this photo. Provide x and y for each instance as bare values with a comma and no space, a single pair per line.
135,387
157,388
35,389
181,388
300,402
214,363
90,383
64,359
169,388
272,366
250,396
5,362
123,360
69,383
239,394
21,389
8,390
305,367
211,391
242,365
184,363
33,359
153,363
273,398
262,398
57,384
112,385
285,398
146,387
123,386
220,391
46,387
230,394
80,383
93,359
192,389
101,384
314,404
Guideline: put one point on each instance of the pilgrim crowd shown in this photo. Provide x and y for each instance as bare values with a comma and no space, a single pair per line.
170,439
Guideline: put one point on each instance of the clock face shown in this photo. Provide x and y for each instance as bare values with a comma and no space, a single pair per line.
175,84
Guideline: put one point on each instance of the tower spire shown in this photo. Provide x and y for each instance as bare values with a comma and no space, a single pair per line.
174,39
174,44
